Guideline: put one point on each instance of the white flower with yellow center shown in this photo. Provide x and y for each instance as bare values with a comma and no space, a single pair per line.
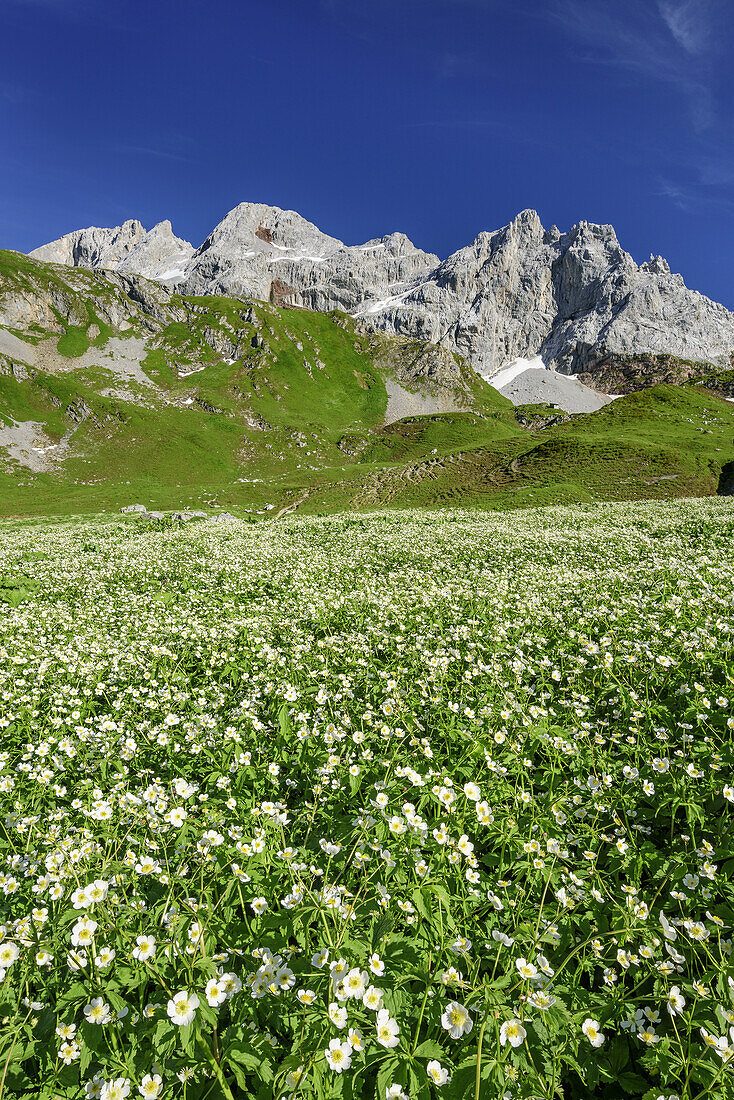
590,1028
372,999
387,1029
338,1055
98,1011
355,982
376,965
337,1015
525,969
144,948
116,1089
182,1008
437,1073
512,1032
356,1039
215,995
9,952
457,1020
151,1086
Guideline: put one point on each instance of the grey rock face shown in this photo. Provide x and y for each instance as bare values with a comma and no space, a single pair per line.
570,298
160,255
518,292
276,255
157,254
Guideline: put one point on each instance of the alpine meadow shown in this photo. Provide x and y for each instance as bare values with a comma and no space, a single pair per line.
366,550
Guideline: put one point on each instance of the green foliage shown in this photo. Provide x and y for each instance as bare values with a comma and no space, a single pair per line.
255,406
281,805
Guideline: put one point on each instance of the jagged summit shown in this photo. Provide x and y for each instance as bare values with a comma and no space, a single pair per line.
520,291
157,253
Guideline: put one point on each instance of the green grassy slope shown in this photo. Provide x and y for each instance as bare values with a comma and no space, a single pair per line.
247,404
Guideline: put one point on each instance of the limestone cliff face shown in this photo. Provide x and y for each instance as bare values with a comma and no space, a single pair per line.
272,254
155,254
570,298
517,292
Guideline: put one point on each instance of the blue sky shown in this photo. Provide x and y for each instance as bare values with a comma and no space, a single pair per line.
438,118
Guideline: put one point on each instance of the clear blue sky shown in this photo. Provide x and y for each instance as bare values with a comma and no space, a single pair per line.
439,118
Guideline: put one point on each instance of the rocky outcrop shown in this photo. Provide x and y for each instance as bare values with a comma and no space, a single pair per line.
155,254
570,298
522,291
276,255
726,480
620,374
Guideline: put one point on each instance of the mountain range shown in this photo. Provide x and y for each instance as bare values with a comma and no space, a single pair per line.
575,302
275,368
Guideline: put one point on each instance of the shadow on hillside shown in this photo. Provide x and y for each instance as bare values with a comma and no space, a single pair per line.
726,480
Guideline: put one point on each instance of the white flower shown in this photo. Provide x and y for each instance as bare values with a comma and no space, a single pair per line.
512,1032
355,982
98,1011
542,1000
337,1015
356,1039
526,969
182,1008
457,1020
230,983
9,952
675,1002
96,891
648,1036
373,999
437,1073
395,1092
116,1089
83,931
93,1088
258,906
145,947
151,1086
500,937
590,1029
214,993
68,1053
338,1055
668,931
387,1029
104,957
376,965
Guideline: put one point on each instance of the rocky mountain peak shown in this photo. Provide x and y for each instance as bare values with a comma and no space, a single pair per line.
520,291
260,228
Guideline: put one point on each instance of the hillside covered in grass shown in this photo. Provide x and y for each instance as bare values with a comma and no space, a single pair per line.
115,390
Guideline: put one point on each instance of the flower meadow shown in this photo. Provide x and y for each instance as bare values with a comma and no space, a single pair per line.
405,805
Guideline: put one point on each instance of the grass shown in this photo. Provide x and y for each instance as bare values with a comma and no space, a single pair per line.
280,405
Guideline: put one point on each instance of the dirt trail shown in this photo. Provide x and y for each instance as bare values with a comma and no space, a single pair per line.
287,508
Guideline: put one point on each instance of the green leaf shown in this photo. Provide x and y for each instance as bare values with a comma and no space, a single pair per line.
430,1049
240,1055
387,1074
633,1083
